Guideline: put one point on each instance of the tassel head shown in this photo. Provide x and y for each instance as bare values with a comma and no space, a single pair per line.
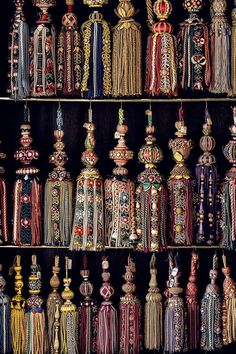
106,291
193,6
207,143
163,9
230,149
44,4
95,3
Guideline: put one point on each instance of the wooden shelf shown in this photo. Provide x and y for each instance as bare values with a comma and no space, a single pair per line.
108,247
124,100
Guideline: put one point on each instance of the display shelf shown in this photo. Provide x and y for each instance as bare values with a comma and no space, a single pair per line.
125,100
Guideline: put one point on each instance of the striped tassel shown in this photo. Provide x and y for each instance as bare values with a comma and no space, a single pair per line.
88,314
229,306
211,313
18,57
161,71
54,303
5,339
220,49
69,317
18,328
126,53
36,340
69,54
107,335
153,312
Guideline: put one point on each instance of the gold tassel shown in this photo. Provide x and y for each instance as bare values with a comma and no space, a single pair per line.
18,312
153,312
126,56
54,301
229,306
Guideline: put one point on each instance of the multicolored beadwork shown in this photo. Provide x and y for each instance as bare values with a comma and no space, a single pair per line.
180,185
151,195
120,194
88,225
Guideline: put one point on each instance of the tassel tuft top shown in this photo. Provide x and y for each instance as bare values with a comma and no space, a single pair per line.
207,143
230,149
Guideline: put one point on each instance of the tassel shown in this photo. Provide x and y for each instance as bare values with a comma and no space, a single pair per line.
120,194
229,306
233,50
5,339
3,205
153,312
211,313
130,314
36,341
207,189
18,330
175,312
43,53
180,185
56,330
161,71
88,225
27,192
69,317
18,58
69,54
126,53
228,192
220,35
54,303
88,314
58,194
107,338
96,35
193,310
151,195
193,49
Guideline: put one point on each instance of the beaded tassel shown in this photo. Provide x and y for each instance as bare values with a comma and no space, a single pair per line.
54,303
88,314
58,194
207,189
153,312
43,53
193,310
220,48
126,53
69,318
18,329
88,225
151,195
228,192
175,312
193,49
120,194
18,57
180,185
96,35
233,51
3,204
229,306
130,314
5,341
211,312
36,341
27,192
107,338
161,76
69,54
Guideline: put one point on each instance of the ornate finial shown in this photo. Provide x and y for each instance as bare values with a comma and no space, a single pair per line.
67,294
219,7
207,142
86,288
153,291
106,291
193,5
55,281
230,149
129,287
95,3
192,288
121,154
162,9
150,154
34,283
174,275
89,156
44,4
124,10
18,301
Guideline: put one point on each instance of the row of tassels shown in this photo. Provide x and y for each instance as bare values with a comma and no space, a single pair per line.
178,324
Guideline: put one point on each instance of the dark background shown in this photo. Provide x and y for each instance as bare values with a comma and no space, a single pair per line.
105,116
